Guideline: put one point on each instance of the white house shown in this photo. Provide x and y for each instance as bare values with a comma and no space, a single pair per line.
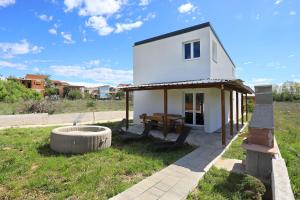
189,69
104,92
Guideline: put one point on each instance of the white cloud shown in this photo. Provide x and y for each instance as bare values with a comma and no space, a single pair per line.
186,8
45,18
94,7
10,50
292,12
278,2
85,84
149,16
71,4
19,66
93,63
53,31
4,3
103,75
291,55
261,81
100,25
144,2
67,38
275,65
127,26
248,62
257,17
36,69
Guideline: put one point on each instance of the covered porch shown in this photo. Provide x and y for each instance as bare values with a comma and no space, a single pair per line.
226,91
197,137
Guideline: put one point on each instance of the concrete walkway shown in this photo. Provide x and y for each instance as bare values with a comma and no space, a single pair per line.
177,180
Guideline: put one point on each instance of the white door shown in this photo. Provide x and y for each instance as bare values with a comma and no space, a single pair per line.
194,108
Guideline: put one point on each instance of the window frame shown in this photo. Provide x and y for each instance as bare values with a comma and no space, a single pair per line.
191,42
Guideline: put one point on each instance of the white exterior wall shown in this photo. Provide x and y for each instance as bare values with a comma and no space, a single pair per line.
163,61
150,102
223,68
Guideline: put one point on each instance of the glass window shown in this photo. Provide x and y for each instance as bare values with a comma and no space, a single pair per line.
187,51
196,47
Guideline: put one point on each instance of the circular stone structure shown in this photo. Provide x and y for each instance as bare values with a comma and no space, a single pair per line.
80,139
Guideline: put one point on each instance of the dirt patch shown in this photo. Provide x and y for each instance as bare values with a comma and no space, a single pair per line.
34,166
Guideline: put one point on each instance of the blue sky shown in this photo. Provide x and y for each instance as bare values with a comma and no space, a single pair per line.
90,41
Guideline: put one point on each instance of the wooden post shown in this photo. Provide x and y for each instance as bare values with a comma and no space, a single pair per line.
127,109
165,112
246,107
231,113
223,115
237,110
242,108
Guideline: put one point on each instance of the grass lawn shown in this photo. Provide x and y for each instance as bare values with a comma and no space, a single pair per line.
69,106
287,132
30,170
218,184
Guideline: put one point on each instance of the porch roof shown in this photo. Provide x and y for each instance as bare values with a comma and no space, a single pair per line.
229,84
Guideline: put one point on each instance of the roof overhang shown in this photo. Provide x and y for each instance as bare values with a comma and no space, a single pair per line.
233,84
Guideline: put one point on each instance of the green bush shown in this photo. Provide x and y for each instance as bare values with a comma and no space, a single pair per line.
288,91
91,103
13,91
74,94
34,106
51,91
252,188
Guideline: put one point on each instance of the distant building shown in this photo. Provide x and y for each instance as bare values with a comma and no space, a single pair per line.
122,85
33,81
60,85
93,91
104,92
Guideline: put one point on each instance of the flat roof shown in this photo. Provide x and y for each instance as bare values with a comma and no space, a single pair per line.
235,84
182,31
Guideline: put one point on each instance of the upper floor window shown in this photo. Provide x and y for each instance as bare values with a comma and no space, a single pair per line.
192,50
214,51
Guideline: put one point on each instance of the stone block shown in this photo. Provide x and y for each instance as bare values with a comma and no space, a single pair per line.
258,164
261,136
263,89
264,98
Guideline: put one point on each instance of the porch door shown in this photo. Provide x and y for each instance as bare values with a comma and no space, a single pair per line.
194,110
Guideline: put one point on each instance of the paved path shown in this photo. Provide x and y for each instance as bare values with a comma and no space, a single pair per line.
7,121
178,179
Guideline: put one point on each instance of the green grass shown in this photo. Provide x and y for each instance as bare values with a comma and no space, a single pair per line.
235,151
69,106
287,132
219,184
30,170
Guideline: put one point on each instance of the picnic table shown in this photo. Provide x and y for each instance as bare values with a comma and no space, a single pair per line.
173,121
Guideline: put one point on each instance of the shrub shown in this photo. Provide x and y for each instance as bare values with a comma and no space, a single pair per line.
250,105
51,91
74,94
91,103
252,188
38,107
13,91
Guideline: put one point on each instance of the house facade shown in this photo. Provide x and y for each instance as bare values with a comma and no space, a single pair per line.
186,69
35,82
104,92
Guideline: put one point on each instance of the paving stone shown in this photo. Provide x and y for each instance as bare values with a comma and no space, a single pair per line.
156,191
146,196
177,180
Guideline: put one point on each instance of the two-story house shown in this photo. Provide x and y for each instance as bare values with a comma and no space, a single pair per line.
187,72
